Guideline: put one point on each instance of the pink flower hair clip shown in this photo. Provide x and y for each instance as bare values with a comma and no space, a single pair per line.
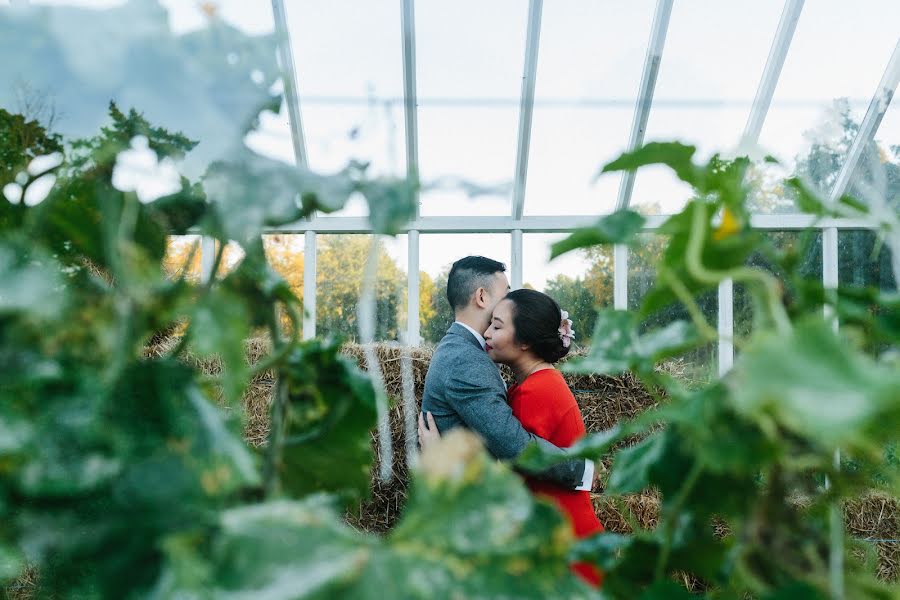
566,333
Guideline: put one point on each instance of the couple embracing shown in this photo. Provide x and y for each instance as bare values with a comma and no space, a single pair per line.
527,331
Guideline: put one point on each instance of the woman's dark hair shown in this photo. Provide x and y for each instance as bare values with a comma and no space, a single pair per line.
537,318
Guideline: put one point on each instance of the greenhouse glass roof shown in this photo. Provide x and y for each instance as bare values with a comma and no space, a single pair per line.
506,110
521,101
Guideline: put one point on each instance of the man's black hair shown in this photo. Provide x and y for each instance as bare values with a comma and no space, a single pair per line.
467,275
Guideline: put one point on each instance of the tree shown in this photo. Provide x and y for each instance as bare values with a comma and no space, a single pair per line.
434,328
21,141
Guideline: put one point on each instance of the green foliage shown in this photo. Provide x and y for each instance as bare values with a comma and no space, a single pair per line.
618,346
119,474
329,413
470,529
617,228
743,450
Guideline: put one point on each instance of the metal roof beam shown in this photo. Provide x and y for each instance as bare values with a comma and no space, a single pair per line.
645,94
410,104
877,108
542,224
526,106
291,95
784,34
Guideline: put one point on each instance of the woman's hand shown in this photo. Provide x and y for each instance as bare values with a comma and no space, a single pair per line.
428,434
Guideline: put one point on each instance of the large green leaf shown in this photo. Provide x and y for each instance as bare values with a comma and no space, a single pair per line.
249,192
617,346
673,154
632,466
392,204
219,326
11,563
330,414
536,459
815,383
29,281
718,253
617,228
470,530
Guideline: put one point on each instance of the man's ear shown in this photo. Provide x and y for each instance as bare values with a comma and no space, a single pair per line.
480,300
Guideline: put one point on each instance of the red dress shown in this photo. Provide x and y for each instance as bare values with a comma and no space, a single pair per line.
546,407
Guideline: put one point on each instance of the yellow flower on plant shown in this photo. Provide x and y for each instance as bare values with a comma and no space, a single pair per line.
729,225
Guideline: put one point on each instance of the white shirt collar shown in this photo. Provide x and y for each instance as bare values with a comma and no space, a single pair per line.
477,335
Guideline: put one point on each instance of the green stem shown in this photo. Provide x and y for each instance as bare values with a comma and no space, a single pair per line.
689,483
706,330
767,283
279,407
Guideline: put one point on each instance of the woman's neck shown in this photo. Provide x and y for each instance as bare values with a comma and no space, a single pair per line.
528,365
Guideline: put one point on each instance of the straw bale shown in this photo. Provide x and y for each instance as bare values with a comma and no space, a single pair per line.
620,514
25,587
875,518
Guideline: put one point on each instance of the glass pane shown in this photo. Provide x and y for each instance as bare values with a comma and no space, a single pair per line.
285,255
579,281
589,70
437,253
864,261
340,264
694,367
182,257
351,101
803,246
834,64
468,95
708,77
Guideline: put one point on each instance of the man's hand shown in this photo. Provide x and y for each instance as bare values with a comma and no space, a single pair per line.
428,434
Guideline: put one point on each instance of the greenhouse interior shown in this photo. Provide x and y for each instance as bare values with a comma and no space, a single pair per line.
421,299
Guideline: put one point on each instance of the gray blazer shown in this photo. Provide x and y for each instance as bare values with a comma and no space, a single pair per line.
463,387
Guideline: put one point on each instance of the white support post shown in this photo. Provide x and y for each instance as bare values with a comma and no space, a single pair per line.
309,285
726,326
516,261
620,277
830,282
645,93
830,264
526,106
787,25
413,336
207,258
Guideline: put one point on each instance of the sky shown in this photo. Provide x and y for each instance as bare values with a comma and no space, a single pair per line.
470,59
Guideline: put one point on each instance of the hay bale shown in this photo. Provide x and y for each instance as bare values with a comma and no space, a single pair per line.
25,587
620,514
875,518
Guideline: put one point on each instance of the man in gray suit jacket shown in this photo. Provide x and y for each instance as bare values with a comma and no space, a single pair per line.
463,386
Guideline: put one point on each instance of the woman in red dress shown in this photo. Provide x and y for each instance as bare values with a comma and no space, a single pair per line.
529,333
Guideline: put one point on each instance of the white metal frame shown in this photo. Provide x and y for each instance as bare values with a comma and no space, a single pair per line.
787,26
526,108
881,100
645,94
516,224
291,93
